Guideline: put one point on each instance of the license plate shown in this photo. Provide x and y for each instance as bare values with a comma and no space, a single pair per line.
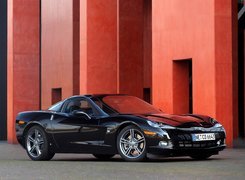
203,137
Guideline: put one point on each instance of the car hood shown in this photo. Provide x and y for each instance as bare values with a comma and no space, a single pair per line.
182,121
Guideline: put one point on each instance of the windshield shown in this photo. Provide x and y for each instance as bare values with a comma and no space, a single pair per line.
129,105
56,107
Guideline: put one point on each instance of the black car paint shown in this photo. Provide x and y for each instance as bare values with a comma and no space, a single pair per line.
66,130
69,133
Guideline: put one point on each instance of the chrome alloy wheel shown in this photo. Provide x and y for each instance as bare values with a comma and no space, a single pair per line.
132,143
35,143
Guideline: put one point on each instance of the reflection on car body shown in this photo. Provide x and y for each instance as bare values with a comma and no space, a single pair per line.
105,125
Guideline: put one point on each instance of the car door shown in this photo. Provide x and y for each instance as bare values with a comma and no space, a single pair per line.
77,132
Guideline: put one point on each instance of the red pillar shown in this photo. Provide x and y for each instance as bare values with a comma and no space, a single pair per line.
98,46
59,49
131,46
76,47
111,47
147,45
23,59
178,34
226,70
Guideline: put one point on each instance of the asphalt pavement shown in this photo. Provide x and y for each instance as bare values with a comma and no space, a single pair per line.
15,164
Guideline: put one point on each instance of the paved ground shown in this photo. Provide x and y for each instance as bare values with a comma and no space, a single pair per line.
14,164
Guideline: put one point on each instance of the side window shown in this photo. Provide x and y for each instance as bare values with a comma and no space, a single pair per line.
79,105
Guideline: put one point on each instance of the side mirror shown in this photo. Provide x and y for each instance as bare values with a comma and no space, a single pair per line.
81,114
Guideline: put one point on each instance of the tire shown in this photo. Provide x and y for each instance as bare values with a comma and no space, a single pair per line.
37,144
131,144
103,156
201,156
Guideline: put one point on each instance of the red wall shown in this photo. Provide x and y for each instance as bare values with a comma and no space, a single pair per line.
23,59
226,66
111,47
98,46
147,44
200,30
123,46
57,49
131,23
76,47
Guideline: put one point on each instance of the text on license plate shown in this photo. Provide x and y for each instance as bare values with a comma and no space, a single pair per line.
203,137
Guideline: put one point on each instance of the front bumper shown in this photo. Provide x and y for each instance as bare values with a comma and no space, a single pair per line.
180,143
184,152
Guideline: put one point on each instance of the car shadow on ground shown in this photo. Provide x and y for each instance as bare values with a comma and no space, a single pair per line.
148,160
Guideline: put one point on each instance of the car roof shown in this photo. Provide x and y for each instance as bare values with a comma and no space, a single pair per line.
96,95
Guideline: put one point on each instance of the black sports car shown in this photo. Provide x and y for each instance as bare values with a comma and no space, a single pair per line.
105,125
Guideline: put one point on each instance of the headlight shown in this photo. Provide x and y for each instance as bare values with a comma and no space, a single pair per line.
213,121
164,126
159,125
153,124
218,127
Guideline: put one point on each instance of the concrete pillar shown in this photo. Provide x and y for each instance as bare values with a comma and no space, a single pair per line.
23,59
204,31
226,66
98,46
57,49
131,47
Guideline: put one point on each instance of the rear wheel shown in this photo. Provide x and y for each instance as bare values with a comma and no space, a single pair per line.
37,144
103,156
201,156
131,144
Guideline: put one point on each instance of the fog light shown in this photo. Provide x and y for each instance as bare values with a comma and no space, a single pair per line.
163,143
218,142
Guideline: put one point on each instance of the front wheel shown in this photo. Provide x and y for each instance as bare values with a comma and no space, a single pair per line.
131,144
37,144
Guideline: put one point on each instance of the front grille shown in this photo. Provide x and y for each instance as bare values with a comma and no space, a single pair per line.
183,139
